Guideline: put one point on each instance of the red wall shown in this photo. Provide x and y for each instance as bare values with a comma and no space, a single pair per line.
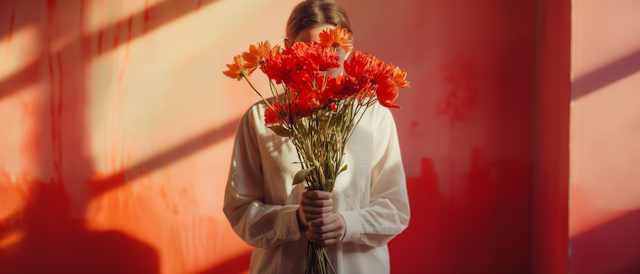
116,128
465,129
551,101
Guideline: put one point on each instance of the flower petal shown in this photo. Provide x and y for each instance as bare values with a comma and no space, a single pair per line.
387,92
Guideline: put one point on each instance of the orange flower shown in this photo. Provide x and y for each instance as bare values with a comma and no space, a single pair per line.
336,38
257,53
238,69
399,77
275,50
391,72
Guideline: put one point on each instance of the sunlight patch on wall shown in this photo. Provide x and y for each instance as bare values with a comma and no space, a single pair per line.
19,50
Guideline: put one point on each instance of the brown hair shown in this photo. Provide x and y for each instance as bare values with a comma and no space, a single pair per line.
316,13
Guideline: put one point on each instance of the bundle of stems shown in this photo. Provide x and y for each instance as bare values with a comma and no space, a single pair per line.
320,141
321,121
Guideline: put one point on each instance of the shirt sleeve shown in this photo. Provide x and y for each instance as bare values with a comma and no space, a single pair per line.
258,224
387,213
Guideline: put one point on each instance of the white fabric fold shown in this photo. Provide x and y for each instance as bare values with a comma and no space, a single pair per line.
371,196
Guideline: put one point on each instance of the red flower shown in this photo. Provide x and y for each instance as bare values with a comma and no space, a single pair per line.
344,86
305,104
322,92
300,81
389,79
322,58
309,93
387,92
316,57
333,107
271,117
280,67
363,67
385,72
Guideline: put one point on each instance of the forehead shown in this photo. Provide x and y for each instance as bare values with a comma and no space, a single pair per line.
312,33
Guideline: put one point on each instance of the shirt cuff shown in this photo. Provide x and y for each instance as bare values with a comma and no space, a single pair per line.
354,229
287,223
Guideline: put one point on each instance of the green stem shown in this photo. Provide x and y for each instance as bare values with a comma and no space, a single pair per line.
254,89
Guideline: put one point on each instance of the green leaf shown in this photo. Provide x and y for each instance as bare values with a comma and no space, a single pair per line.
280,130
331,165
301,175
330,183
343,169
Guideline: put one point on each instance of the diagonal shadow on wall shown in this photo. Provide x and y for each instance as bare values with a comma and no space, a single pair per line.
606,75
53,240
165,158
170,10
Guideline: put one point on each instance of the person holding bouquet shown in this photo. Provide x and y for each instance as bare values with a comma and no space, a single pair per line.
366,206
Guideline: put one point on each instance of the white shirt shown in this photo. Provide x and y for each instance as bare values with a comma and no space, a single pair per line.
261,203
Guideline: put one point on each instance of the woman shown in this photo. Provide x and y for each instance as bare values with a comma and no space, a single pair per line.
367,207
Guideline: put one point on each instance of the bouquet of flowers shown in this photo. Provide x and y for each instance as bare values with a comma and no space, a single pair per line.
317,112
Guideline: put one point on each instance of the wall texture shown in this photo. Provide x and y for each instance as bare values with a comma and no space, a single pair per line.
465,129
116,130
550,166
605,138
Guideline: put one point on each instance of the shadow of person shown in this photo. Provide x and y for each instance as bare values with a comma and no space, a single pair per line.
238,264
54,242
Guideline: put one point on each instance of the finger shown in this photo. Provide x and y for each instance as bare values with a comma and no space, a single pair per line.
325,229
317,195
311,217
325,242
316,203
323,221
316,210
322,237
